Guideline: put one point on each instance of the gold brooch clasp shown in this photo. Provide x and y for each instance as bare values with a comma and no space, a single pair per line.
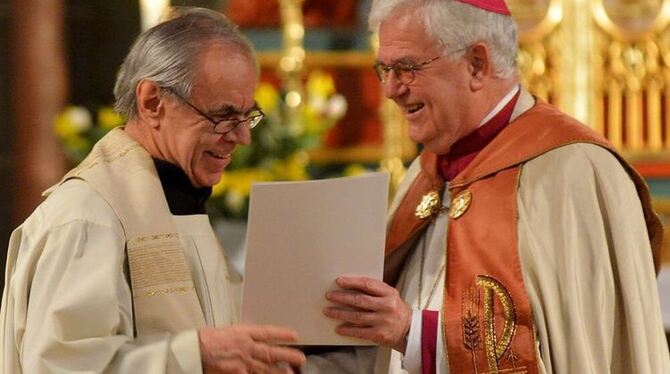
460,204
430,204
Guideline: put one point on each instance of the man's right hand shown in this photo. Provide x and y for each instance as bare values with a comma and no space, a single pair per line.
248,349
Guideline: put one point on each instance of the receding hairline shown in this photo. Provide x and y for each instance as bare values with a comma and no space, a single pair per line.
233,54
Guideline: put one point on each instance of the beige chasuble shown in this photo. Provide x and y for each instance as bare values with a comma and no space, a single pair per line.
103,278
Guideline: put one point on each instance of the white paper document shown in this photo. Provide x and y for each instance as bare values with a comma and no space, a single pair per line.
303,235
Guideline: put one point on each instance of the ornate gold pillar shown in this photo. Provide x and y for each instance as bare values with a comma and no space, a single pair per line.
540,47
291,63
634,72
578,61
39,89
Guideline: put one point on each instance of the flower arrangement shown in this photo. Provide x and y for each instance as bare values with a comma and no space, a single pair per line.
78,133
277,152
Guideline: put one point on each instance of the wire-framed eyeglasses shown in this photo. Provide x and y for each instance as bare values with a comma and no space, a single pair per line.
403,72
225,125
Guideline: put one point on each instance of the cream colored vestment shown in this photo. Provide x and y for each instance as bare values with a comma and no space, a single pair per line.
67,304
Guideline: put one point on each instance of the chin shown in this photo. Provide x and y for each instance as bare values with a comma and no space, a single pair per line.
210,182
206,180
416,135
436,147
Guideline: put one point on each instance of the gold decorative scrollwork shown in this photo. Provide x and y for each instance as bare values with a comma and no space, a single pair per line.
633,79
536,19
496,347
539,53
630,20
540,66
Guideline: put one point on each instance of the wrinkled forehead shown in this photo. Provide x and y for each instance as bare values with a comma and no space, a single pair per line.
226,76
403,36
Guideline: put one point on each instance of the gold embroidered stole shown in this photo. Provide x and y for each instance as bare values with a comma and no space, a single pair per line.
123,173
487,317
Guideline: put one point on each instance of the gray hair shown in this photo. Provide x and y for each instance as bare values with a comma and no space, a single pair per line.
166,53
455,25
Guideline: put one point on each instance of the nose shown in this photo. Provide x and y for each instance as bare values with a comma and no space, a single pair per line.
393,87
240,135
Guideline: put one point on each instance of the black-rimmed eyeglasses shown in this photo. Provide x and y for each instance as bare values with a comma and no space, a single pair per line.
225,125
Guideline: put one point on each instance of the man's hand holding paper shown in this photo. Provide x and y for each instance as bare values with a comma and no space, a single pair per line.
370,309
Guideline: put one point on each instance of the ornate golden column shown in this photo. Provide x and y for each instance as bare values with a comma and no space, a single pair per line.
578,61
541,44
633,36
39,88
291,63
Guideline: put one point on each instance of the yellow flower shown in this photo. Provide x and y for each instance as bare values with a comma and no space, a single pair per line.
240,181
292,168
312,121
320,83
71,121
219,188
354,170
267,97
108,118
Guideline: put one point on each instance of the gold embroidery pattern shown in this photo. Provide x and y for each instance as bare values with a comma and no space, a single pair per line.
157,261
141,239
478,315
102,157
470,313
166,291
429,205
491,285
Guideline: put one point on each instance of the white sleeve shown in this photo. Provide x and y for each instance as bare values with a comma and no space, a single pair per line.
70,305
411,360
587,265
79,315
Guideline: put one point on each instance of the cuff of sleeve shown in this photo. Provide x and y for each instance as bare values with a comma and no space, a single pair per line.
185,350
411,360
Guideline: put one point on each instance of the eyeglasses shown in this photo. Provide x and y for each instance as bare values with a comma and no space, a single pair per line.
404,72
225,125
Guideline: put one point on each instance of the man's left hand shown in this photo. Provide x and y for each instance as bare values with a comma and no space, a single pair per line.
371,310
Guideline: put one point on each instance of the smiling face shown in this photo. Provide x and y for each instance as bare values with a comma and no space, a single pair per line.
437,103
223,87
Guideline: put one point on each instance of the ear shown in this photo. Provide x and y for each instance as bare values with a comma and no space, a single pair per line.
149,102
479,65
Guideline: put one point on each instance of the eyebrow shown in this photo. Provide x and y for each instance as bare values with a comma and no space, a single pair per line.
228,109
405,60
224,110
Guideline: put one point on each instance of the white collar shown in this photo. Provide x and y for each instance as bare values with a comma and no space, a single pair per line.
501,104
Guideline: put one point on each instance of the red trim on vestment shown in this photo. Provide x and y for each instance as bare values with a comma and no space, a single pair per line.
466,149
429,341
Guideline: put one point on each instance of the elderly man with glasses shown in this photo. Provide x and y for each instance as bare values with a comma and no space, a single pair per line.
520,241
118,270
